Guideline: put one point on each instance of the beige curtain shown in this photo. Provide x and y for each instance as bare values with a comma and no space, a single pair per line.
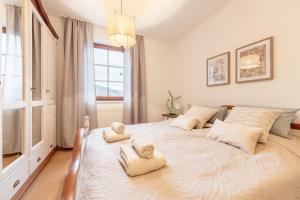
12,81
76,95
134,105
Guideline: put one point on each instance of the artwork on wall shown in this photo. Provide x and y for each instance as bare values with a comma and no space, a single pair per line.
254,62
218,72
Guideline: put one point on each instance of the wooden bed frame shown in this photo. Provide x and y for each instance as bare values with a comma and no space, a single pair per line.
70,184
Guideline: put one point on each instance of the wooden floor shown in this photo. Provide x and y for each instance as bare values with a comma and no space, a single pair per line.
7,160
48,184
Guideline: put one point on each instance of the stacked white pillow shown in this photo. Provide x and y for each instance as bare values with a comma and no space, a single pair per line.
238,135
202,114
185,123
255,117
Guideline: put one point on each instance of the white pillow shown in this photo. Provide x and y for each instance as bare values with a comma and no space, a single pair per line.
208,125
256,117
238,135
185,123
203,114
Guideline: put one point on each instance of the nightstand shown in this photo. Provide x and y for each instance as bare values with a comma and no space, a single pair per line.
168,116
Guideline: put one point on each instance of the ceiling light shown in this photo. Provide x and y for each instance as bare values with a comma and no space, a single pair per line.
121,30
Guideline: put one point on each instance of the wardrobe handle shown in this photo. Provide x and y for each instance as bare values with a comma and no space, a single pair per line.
51,145
47,91
39,159
33,88
16,183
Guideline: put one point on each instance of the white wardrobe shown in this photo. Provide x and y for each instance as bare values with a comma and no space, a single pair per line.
27,95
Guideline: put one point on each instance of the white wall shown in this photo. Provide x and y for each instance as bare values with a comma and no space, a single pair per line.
238,24
161,76
109,112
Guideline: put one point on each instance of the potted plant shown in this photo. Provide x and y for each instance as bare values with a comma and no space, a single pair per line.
171,103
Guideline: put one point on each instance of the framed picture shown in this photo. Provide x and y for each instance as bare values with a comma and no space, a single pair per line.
254,62
218,72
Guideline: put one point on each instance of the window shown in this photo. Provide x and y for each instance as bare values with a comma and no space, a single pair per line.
109,72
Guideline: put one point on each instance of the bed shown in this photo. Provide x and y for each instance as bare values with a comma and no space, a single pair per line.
197,168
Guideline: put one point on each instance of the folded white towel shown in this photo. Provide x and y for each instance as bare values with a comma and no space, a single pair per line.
118,127
143,147
134,165
111,136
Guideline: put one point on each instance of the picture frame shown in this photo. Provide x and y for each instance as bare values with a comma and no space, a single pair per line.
218,70
254,62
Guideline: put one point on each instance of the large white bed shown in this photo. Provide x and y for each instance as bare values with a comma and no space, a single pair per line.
197,168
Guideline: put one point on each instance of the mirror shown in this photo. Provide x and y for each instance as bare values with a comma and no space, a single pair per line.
36,81
36,59
12,81
12,130
36,125
12,69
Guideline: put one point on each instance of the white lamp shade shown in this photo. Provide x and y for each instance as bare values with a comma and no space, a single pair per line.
121,31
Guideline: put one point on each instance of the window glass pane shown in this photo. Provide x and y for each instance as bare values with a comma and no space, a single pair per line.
116,74
3,44
36,125
115,89
100,56
101,73
101,88
116,58
12,135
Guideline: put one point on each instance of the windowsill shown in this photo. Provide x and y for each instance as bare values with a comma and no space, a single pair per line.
109,102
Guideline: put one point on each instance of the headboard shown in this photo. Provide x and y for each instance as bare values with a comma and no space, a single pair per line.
294,125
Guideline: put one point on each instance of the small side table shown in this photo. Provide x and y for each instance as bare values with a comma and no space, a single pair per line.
168,116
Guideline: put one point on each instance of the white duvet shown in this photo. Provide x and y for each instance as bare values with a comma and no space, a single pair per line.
197,168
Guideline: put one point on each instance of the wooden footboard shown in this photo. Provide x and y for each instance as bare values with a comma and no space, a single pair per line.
70,183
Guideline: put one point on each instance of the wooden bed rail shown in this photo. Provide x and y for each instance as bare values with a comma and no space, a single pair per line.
294,126
70,183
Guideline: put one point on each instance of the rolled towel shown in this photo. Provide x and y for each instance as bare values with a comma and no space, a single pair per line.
111,136
143,147
134,165
118,127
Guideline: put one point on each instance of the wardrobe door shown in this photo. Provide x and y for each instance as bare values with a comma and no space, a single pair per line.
13,100
37,96
50,90
13,104
50,119
51,67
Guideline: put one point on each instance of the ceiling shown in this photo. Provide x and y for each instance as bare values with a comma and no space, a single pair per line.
165,20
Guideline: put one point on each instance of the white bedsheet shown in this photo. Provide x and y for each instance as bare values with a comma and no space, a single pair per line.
197,168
